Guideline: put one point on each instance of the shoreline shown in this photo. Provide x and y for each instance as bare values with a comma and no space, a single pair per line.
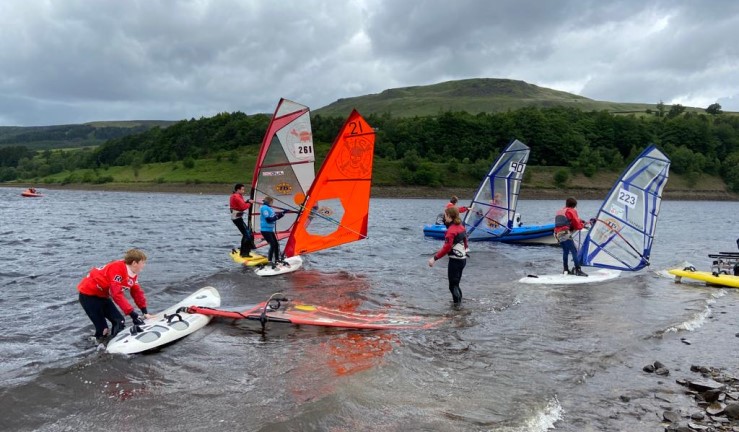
410,192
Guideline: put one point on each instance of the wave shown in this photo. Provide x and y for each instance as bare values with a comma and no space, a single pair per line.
540,421
697,319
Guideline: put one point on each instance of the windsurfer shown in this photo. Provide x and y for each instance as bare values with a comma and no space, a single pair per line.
453,203
267,221
566,222
238,206
494,213
102,289
455,245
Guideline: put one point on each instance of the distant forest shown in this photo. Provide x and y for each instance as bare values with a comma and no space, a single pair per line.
583,141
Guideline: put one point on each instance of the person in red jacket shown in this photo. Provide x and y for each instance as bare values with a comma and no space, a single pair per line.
238,206
453,203
102,289
567,222
455,246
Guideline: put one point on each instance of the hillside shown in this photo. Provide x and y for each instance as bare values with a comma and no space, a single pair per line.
477,95
74,135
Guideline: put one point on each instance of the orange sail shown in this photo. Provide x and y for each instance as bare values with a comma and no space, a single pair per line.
337,204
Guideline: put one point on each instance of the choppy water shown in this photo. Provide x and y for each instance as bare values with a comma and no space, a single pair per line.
515,358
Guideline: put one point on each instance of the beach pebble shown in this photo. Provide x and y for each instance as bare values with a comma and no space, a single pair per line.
732,411
671,416
703,385
697,416
715,408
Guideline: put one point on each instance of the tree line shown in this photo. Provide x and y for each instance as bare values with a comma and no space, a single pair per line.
583,141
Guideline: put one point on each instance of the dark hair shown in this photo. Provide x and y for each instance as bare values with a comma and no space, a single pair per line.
571,202
238,186
454,199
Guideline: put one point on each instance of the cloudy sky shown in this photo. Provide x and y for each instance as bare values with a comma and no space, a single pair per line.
74,61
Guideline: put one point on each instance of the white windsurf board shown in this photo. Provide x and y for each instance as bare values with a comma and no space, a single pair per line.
160,330
593,276
289,265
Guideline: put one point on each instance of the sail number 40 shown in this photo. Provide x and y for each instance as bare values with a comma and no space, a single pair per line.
627,198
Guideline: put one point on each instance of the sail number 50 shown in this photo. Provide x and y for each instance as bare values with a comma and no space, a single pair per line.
627,198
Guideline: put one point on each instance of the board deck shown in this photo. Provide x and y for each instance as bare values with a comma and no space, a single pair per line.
594,276
707,277
161,330
253,260
289,265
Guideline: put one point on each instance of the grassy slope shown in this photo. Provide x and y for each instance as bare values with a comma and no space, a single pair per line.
218,176
474,96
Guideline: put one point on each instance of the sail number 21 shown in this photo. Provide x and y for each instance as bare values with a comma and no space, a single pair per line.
355,128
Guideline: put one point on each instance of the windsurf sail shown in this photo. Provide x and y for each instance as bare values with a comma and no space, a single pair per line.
280,309
622,233
493,209
336,207
285,164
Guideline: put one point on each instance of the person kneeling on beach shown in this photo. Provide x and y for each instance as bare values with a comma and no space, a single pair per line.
102,289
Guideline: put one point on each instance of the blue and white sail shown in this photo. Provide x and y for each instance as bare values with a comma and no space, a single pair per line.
493,209
622,233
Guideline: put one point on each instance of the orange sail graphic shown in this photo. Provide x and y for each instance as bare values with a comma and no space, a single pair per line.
337,204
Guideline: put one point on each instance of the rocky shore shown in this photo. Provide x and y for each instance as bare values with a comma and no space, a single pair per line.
384,191
715,396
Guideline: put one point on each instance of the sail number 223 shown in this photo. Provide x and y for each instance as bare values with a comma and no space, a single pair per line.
627,198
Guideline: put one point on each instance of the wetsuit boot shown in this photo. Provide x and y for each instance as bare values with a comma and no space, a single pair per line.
579,272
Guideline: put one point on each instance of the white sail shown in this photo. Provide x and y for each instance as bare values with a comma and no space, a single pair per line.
493,209
623,231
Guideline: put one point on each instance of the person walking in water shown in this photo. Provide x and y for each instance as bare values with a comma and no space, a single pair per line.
566,223
455,246
268,222
238,206
102,289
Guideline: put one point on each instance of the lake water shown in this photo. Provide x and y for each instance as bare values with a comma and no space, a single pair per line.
514,358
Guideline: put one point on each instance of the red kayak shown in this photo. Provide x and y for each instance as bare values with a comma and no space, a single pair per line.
30,194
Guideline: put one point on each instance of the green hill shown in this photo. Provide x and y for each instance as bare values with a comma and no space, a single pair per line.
477,95
74,135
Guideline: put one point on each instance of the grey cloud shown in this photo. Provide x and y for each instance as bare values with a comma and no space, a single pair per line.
76,61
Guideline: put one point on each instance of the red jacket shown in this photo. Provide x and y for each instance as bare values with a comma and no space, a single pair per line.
453,232
576,224
238,204
461,209
109,281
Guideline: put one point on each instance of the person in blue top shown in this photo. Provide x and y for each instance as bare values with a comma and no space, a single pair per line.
267,223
